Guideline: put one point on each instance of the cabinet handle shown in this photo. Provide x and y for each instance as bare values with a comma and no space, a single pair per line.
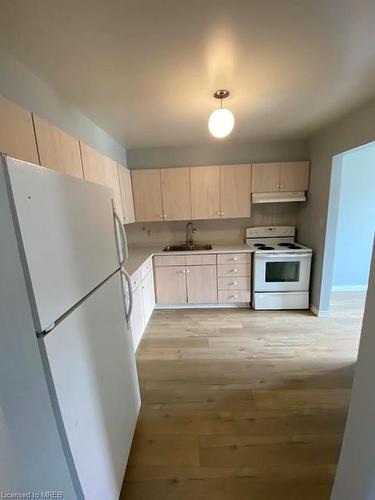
235,270
218,213
187,270
222,213
235,259
235,283
165,216
161,216
184,271
233,296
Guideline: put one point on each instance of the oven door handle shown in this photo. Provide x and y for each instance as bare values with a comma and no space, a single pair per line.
281,255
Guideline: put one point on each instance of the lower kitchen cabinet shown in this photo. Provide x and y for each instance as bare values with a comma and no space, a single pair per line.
170,285
143,301
148,296
201,284
137,322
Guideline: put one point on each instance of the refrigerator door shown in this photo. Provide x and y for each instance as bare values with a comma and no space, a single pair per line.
67,235
92,365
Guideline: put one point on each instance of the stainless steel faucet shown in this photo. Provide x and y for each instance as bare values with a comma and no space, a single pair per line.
190,231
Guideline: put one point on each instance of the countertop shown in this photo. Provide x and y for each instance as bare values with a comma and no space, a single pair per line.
139,254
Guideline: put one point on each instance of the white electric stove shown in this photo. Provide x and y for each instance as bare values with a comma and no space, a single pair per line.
281,268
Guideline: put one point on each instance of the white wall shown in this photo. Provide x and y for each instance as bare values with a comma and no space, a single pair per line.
356,218
355,476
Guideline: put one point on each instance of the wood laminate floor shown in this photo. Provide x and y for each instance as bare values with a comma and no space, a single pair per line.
240,404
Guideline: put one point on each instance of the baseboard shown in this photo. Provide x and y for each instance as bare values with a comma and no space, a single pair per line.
204,306
349,288
318,312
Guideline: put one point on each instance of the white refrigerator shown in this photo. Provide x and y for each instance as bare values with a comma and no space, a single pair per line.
69,394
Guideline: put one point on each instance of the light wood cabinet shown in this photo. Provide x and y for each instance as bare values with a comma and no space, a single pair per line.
175,185
294,176
102,170
17,138
265,177
126,194
205,192
201,284
57,149
235,190
137,323
147,195
148,296
170,285
282,176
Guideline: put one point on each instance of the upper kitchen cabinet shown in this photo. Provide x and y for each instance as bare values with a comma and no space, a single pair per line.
175,185
280,177
17,138
57,149
148,204
294,176
235,190
265,177
205,192
102,170
126,194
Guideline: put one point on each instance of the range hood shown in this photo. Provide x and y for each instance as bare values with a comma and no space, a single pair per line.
278,197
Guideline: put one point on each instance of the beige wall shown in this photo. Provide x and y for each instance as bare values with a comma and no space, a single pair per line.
213,231
218,153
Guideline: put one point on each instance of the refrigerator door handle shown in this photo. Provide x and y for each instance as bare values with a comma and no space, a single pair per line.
124,241
129,309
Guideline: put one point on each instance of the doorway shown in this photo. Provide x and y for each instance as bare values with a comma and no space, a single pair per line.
350,230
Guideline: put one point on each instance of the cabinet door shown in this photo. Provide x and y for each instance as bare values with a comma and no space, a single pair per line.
57,149
175,184
148,295
147,195
201,284
17,136
235,191
170,285
205,192
126,194
137,322
102,170
265,177
294,176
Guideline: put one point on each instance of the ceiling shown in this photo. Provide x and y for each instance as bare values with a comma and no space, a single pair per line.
145,70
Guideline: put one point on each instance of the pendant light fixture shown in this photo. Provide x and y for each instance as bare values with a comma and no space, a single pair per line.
221,121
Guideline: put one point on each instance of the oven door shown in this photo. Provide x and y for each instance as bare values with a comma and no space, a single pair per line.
283,272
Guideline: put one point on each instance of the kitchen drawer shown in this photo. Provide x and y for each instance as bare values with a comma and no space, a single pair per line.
202,259
146,267
234,258
228,296
136,279
234,283
169,260
229,270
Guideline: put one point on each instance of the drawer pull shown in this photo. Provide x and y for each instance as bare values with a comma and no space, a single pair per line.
235,259
235,283
235,270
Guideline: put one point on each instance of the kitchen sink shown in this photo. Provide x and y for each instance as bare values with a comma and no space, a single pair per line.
187,248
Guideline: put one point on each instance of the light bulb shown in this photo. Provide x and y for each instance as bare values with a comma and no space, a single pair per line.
221,122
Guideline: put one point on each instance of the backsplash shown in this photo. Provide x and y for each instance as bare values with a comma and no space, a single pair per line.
225,231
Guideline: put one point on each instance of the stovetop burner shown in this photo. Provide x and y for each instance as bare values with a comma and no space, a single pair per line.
266,248
260,244
291,246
